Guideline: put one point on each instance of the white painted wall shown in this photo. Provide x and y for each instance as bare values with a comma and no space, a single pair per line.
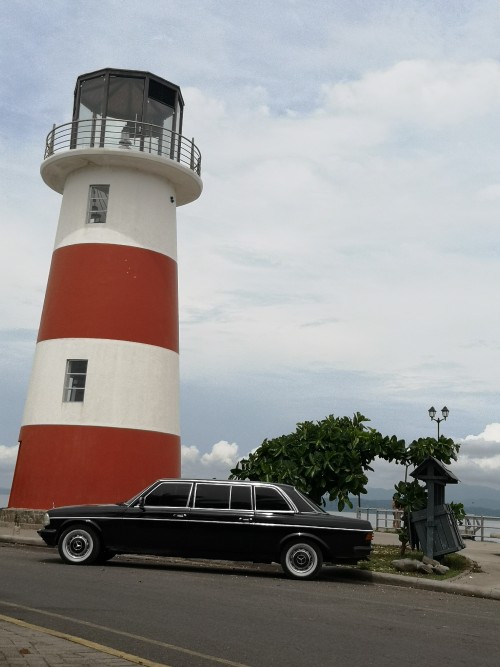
140,212
129,385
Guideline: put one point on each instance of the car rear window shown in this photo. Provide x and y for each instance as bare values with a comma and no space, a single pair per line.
270,500
303,503
169,494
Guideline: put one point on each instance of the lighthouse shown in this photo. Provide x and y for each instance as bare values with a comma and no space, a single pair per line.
101,419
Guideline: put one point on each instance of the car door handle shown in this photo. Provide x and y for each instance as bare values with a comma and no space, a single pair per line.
179,516
245,519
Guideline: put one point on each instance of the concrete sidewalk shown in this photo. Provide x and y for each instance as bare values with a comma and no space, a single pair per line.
24,643
483,584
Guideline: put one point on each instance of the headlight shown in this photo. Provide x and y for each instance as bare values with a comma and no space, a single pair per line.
46,519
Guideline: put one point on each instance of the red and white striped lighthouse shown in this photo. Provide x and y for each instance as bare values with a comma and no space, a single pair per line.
101,419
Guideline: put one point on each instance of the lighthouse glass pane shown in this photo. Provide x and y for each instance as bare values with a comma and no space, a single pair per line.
90,112
98,203
91,98
159,119
74,381
124,111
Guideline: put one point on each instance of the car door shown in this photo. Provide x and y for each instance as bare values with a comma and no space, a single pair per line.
222,521
274,519
158,523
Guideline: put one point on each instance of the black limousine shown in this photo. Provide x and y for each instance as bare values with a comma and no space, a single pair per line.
225,520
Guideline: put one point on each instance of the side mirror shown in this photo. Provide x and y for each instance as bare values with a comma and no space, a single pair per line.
141,503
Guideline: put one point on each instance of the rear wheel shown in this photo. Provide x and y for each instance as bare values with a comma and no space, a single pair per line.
301,559
79,545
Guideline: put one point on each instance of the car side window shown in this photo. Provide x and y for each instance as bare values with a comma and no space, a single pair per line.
270,500
212,496
169,494
241,497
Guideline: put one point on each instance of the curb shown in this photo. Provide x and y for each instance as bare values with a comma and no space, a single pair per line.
429,585
31,541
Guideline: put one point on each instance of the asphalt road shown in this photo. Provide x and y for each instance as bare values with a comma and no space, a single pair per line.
187,615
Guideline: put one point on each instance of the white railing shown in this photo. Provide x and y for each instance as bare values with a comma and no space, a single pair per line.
472,527
479,526
127,135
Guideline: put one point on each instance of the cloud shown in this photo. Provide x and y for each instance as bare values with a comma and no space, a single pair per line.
420,92
217,463
479,458
8,456
366,213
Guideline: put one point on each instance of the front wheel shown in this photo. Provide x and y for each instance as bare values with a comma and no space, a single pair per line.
301,559
79,545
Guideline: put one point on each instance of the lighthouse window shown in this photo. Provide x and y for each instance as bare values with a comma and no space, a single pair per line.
74,381
98,203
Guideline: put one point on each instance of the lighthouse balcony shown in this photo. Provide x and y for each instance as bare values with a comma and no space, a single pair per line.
126,135
112,142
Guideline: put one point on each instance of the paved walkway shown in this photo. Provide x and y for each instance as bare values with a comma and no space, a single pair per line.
24,644
29,645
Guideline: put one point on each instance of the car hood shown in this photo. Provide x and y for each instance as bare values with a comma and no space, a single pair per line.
86,510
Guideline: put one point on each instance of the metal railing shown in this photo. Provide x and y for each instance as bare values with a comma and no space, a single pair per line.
126,135
473,526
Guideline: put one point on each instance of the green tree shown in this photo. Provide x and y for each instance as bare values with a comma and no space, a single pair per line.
327,457
444,450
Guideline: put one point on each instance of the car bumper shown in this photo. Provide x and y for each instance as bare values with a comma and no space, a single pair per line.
48,535
363,552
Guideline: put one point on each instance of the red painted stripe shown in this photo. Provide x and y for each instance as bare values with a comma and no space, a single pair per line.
111,291
70,465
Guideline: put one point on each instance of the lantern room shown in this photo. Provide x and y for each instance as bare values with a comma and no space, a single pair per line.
128,95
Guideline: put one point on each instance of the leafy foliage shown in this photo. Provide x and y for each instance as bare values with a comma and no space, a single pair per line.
327,457
444,450
458,510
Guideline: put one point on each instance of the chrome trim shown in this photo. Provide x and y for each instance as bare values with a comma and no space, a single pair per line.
144,517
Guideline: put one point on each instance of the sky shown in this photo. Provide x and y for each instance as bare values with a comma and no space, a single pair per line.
344,255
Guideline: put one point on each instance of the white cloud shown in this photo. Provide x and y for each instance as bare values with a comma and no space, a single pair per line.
479,458
491,433
421,92
223,454
8,456
217,463
336,215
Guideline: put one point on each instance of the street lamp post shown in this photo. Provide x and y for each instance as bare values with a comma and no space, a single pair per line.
432,414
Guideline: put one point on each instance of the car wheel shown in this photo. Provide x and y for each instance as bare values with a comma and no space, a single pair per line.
301,559
79,545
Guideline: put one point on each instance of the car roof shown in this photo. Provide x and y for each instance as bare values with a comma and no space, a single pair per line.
222,481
